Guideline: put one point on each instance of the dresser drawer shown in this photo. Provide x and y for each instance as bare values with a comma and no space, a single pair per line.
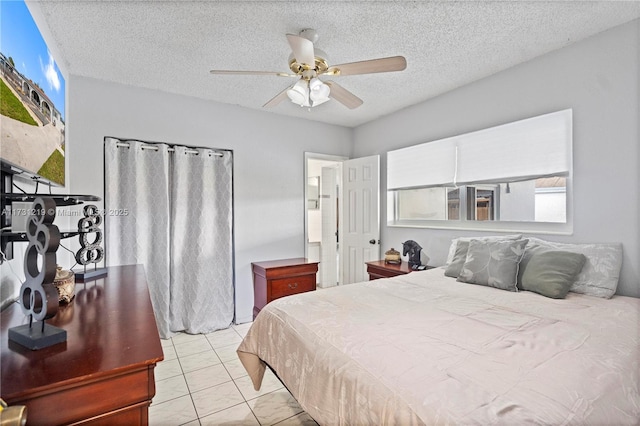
101,397
292,285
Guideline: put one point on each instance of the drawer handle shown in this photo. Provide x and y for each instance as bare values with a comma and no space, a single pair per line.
293,285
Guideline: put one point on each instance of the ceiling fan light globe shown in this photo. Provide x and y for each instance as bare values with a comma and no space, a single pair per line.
296,97
318,91
322,91
314,83
299,93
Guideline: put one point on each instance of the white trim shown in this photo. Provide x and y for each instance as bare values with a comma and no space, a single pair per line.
548,228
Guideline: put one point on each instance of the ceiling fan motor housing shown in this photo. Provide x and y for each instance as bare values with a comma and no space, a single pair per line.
320,65
310,34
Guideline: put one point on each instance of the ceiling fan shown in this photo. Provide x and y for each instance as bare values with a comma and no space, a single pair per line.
308,63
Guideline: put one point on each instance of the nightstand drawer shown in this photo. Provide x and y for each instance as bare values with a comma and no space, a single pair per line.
292,285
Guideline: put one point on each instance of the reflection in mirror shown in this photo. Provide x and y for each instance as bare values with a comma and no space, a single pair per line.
313,193
516,176
535,200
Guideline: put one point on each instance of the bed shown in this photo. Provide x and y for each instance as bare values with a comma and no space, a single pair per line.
424,348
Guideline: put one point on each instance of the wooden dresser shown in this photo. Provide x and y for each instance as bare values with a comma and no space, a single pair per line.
278,278
380,269
103,373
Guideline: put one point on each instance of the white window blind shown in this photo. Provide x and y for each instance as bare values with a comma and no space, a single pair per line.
423,165
522,150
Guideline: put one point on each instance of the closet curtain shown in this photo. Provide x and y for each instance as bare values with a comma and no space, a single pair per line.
172,212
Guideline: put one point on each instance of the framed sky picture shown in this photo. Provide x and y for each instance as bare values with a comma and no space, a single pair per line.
32,99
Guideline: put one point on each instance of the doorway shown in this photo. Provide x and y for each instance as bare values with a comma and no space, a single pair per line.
322,190
342,216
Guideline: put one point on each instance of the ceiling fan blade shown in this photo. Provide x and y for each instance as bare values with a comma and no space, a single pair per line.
231,72
277,99
343,96
393,63
302,49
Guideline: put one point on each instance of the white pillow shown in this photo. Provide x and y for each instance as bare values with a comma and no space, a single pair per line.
454,243
601,271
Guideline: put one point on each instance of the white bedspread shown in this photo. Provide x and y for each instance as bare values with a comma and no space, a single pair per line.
425,349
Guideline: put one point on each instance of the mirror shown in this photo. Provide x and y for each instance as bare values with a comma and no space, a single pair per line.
313,193
534,200
515,176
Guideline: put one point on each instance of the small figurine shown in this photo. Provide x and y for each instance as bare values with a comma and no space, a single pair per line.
413,249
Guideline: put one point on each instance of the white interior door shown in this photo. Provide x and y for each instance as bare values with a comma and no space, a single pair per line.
360,224
329,208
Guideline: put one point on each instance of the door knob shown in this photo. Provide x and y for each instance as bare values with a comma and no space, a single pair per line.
372,241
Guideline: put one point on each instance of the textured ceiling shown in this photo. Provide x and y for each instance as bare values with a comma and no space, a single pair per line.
172,45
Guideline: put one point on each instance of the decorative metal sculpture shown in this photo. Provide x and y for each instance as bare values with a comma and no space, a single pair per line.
90,251
38,295
413,249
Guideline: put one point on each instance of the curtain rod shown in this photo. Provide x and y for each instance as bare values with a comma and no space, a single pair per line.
155,148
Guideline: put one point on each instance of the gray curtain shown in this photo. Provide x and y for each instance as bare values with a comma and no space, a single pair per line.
178,224
201,267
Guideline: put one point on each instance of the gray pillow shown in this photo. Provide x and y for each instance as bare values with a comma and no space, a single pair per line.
460,256
600,273
551,273
493,263
454,243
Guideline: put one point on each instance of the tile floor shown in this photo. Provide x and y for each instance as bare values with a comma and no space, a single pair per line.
202,382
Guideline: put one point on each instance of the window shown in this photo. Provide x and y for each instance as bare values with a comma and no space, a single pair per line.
513,177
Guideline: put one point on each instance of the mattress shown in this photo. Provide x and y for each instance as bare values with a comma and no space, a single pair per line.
423,348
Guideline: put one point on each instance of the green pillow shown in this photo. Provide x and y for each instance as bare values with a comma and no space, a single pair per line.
551,273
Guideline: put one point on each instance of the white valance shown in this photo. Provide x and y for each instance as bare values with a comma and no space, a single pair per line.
522,150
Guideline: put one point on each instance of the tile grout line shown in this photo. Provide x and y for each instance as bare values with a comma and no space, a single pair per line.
198,417
232,379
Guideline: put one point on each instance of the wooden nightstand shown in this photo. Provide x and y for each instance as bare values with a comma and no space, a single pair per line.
380,269
278,278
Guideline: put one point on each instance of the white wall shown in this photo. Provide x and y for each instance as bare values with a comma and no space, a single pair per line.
268,160
598,78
